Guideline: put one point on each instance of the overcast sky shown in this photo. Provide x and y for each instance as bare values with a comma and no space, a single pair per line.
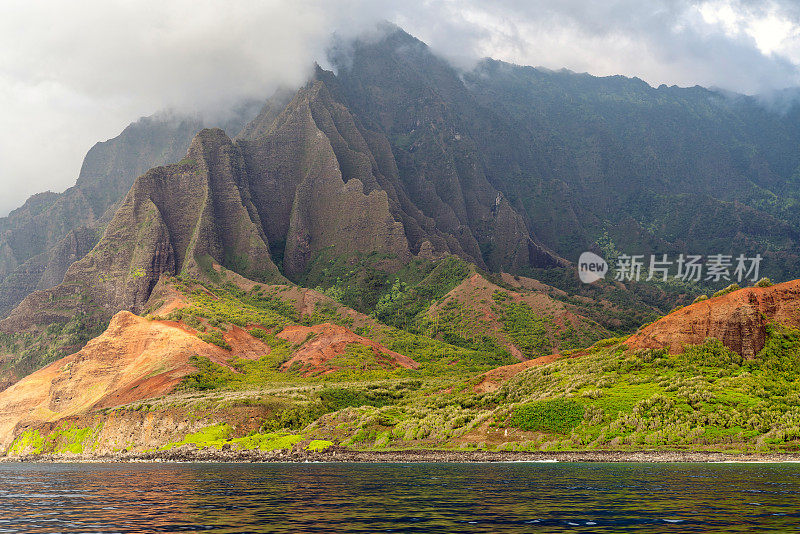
74,73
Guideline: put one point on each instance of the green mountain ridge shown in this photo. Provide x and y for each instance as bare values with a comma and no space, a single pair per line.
381,258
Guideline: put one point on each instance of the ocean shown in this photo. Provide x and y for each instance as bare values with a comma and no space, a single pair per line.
335,497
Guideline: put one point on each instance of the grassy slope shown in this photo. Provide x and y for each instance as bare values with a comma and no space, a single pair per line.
707,398
607,398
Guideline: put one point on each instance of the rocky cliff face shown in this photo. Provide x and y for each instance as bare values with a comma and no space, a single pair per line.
314,188
37,243
176,219
738,319
416,105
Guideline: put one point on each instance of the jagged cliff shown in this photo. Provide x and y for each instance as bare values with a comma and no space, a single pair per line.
39,240
176,219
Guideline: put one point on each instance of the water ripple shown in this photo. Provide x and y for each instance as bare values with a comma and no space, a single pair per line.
514,497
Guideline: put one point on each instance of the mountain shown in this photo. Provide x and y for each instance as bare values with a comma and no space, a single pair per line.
398,156
381,247
578,157
512,168
39,240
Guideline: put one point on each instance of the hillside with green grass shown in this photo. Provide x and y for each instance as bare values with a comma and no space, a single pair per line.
607,397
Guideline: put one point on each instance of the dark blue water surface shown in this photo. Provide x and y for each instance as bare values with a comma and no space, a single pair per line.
515,497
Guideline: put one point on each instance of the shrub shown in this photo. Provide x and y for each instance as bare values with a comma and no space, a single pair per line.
700,298
555,415
209,375
730,289
764,282
337,398
215,338
319,445
293,418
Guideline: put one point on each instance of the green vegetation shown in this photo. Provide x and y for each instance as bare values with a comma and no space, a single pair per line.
221,305
215,338
397,299
264,312
378,395
212,436
607,398
319,445
219,436
63,439
705,397
620,310
528,331
729,289
556,416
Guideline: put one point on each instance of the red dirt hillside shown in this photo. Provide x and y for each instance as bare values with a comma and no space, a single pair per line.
738,319
134,359
329,341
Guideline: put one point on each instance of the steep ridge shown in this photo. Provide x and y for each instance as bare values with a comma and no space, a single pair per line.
397,87
578,157
35,242
738,319
173,220
304,199
321,180
107,174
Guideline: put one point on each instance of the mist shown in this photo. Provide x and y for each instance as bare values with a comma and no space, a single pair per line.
72,74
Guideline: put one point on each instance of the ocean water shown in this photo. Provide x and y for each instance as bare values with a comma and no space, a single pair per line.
507,497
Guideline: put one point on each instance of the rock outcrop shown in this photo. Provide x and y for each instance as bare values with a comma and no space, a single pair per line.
738,319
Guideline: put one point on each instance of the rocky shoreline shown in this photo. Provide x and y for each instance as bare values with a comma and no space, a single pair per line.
343,455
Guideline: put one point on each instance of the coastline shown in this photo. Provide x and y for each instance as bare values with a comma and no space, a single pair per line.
343,455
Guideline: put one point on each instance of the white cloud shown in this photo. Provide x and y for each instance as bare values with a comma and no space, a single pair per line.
73,73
